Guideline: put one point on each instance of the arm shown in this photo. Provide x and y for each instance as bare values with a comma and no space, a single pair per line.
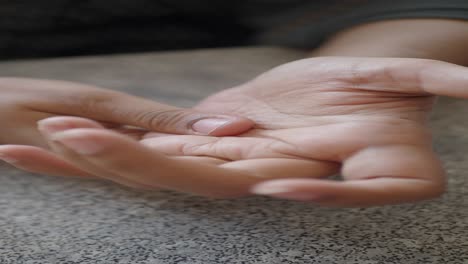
438,39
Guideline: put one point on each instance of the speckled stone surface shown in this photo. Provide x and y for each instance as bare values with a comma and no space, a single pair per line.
55,220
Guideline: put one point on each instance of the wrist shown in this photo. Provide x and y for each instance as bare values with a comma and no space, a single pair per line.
436,39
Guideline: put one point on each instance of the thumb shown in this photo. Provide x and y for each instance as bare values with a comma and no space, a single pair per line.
130,110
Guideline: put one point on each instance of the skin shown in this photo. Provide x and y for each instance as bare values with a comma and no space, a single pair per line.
363,117
26,101
436,39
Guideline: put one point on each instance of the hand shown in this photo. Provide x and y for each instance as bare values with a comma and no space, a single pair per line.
314,117
25,101
366,117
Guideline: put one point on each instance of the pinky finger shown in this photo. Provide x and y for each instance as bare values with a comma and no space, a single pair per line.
38,160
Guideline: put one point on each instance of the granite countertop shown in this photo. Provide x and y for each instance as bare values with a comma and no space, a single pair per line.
55,220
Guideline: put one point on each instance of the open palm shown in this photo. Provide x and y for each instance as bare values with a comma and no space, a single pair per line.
315,116
303,110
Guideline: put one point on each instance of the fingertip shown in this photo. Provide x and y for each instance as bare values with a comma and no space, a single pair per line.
56,124
8,158
5,148
278,186
233,127
14,153
283,190
86,141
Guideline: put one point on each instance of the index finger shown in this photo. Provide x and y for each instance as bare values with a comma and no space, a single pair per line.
74,99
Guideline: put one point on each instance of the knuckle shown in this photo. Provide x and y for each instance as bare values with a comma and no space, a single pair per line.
216,147
91,102
226,148
359,74
189,148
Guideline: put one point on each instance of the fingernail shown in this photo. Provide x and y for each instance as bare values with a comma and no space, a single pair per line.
269,190
83,146
7,158
50,126
208,126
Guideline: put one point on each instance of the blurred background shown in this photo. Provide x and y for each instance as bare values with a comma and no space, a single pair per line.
51,28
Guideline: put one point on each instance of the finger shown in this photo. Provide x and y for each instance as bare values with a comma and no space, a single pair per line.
68,122
227,148
156,135
37,160
364,193
374,176
120,155
59,123
110,106
405,75
53,125
271,168
92,169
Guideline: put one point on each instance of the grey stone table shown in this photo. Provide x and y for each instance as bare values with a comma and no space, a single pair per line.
54,220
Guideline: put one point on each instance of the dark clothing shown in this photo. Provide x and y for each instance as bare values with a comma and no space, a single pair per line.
32,28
